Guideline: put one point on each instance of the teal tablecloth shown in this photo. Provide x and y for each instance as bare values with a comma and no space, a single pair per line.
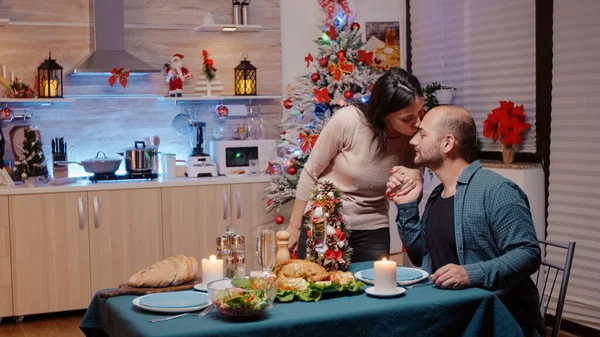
421,311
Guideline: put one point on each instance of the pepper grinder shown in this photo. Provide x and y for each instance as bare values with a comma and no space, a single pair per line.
283,253
236,12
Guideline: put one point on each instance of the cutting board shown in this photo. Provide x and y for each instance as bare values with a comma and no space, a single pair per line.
125,289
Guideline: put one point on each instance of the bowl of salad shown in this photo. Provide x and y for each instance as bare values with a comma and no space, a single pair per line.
243,297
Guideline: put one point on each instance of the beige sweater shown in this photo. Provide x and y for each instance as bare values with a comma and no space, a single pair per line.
346,155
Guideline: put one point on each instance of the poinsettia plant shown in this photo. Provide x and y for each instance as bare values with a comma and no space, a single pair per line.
209,66
506,123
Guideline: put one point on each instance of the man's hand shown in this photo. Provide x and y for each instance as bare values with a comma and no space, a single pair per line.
404,185
451,276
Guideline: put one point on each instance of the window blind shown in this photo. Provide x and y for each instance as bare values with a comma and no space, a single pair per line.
485,49
573,204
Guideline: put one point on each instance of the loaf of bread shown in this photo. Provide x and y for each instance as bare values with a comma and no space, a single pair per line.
174,270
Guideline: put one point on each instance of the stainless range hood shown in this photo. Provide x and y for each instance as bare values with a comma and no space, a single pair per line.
109,41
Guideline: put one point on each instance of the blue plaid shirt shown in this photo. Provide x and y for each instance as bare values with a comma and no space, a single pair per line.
495,237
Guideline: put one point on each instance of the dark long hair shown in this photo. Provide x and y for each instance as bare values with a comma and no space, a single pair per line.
394,90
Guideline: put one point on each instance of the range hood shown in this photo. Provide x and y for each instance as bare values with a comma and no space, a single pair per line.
109,42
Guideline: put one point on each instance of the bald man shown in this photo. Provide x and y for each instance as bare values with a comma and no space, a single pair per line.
476,229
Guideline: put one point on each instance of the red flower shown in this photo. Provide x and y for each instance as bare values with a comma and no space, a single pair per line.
330,254
338,255
510,130
506,122
490,129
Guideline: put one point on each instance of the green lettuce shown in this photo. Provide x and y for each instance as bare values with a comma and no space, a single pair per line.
315,291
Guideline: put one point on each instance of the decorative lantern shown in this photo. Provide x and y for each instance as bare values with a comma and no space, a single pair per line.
245,78
50,79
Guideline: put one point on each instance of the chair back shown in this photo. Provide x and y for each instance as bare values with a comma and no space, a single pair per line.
550,272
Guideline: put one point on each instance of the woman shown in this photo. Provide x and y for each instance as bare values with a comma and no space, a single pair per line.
355,151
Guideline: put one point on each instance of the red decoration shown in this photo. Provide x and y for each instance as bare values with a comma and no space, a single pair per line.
271,168
270,202
365,57
329,6
308,59
348,94
377,61
506,122
287,103
306,141
292,170
371,87
341,54
323,62
343,66
332,33
120,74
279,220
6,114
322,96
355,26
222,111
314,77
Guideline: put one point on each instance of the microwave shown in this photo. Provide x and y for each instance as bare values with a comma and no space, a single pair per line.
232,157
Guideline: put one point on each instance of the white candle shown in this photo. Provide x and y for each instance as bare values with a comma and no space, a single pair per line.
3,71
12,77
212,269
385,276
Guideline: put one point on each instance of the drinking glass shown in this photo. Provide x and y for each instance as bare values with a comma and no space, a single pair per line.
253,163
265,247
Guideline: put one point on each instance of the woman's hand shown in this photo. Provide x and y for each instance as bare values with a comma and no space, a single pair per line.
404,185
294,230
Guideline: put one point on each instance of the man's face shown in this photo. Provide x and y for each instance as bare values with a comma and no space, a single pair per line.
427,146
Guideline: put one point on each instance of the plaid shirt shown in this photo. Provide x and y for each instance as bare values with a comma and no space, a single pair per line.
495,237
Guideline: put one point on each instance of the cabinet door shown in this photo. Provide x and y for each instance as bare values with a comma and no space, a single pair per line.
49,252
193,217
5,273
125,234
248,206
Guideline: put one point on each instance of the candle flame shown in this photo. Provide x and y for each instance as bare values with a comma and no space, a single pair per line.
212,257
384,259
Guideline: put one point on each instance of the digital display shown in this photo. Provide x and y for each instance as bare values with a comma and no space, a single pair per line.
240,156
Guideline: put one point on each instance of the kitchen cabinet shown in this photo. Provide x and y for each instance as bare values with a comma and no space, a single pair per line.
125,234
6,308
193,217
49,252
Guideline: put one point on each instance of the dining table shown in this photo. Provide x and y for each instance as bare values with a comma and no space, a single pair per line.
422,310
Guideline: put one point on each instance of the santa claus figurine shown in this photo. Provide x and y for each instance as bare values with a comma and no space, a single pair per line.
176,74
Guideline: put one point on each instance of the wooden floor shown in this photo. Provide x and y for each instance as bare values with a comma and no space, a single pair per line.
65,324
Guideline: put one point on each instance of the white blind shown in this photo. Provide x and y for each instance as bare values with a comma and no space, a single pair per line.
574,202
484,48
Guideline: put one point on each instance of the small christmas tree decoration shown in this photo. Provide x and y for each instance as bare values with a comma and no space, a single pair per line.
355,26
208,82
270,202
314,77
222,111
279,219
341,54
287,103
323,62
6,114
120,74
292,170
32,163
348,94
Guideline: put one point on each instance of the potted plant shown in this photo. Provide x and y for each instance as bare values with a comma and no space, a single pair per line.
436,94
506,122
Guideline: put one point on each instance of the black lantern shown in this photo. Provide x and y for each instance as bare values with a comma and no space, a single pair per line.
245,78
50,79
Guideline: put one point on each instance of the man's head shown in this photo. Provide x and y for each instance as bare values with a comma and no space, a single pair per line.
446,133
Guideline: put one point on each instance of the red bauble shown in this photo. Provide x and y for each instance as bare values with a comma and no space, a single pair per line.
348,94
371,87
292,170
323,62
287,103
6,114
341,54
222,111
355,26
314,77
270,202
279,220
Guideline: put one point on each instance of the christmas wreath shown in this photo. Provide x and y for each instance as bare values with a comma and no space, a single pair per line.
327,242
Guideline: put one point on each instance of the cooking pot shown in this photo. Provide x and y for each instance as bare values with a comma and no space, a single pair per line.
139,158
96,165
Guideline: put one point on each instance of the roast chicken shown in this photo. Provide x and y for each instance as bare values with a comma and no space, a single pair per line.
297,274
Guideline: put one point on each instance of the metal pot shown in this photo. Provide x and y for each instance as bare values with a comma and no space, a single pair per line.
96,165
139,158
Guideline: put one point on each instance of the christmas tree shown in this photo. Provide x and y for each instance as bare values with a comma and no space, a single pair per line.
341,76
32,163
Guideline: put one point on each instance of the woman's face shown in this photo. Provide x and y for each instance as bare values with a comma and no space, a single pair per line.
406,121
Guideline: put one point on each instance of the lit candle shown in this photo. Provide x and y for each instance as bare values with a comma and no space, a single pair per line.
53,86
385,276
212,269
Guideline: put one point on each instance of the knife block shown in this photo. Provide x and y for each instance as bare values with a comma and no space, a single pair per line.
59,171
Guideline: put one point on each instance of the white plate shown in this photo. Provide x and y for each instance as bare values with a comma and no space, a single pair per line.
136,302
359,276
398,291
200,287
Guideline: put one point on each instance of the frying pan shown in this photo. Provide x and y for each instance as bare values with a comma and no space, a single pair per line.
96,165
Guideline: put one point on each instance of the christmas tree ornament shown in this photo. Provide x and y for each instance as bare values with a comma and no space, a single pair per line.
292,170
287,103
6,114
176,74
348,94
341,54
314,77
279,219
366,57
308,59
355,26
270,202
323,62
371,86
222,111
119,74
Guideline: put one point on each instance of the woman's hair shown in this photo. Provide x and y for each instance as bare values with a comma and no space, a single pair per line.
394,90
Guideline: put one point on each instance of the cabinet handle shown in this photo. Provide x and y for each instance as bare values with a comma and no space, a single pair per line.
80,203
239,203
96,221
225,203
